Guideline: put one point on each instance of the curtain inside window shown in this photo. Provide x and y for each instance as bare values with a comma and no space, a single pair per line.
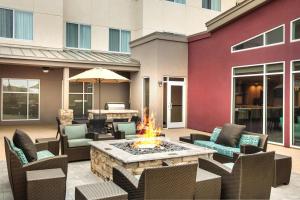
216,5
125,39
23,25
180,1
72,35
85,36
6,23
114,40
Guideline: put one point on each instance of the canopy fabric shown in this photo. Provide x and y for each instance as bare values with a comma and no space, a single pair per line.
99,75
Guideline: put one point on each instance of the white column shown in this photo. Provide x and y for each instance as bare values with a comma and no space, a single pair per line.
65,89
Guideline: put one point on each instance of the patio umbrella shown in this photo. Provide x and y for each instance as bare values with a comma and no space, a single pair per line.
99,75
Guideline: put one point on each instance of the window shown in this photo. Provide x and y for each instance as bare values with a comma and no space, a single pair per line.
178,1
119,40
21,99
258,99
81,98
212,4
271,37
296,103
78,36
295,30
16,24
146,96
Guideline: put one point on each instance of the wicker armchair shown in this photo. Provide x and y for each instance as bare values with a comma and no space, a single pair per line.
173,182
17,171
250,178
79,152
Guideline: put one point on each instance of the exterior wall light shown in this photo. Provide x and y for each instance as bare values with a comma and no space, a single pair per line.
45,69
160,83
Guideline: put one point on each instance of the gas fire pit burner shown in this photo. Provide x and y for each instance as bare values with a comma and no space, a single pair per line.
163,147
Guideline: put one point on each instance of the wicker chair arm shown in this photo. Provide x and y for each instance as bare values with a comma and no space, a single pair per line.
119,135
92,135
198,136
64,143
124,179
249,149
41,146
214,167
49,163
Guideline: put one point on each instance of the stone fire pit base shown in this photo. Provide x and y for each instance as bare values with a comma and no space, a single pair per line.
102,163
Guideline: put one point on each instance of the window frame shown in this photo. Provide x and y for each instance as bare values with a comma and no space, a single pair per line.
13,33
39,93
120,41
83,95
78,39
292,73
264,40
210,6
264,75
291,31
173,1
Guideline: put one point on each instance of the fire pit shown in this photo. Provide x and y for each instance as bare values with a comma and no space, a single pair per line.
107,154
164,146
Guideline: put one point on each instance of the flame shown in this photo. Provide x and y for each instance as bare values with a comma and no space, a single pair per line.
148,133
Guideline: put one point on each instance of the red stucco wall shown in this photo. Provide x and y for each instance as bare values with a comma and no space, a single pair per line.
211,62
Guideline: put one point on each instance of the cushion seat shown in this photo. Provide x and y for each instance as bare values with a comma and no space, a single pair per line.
229,165
130,137
79,142
206,144
226,151
44,154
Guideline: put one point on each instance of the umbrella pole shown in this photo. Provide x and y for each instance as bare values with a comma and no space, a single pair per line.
99,97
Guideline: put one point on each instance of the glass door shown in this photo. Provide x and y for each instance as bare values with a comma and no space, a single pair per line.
175,104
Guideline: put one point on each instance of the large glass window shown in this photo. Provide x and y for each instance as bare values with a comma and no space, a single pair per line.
20,99
78,36
119,40
258,99
274,36
16,24
146,95
296,29
212,4
296,104
81,98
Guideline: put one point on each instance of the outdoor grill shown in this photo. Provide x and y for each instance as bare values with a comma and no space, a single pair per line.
115,106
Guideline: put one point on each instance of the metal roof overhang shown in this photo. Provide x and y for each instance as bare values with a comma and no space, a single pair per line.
82,59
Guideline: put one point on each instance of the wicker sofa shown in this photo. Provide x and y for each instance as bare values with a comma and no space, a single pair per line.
227,154
250,177
17,170
77,147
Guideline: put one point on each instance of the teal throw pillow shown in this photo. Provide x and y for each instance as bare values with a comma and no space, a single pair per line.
215,134
250,140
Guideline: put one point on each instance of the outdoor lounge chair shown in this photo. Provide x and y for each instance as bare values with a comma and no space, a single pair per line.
17,170
75,140
250,177
171,182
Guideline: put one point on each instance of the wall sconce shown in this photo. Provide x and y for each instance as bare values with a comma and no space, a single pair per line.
160,83
45,69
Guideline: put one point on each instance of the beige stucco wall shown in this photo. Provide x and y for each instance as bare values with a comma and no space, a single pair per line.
47,22
158,58
141,17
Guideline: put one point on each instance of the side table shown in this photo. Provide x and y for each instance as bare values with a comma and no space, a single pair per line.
208,185
100,191
46,184
282,170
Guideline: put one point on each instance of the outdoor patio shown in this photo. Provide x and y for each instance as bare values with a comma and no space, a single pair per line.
79,173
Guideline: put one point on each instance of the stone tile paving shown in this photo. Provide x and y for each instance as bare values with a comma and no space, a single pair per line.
79,173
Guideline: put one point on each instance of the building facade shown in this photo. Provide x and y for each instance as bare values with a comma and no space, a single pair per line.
250,66
43,43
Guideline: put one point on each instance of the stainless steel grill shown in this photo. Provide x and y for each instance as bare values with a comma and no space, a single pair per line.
115,106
